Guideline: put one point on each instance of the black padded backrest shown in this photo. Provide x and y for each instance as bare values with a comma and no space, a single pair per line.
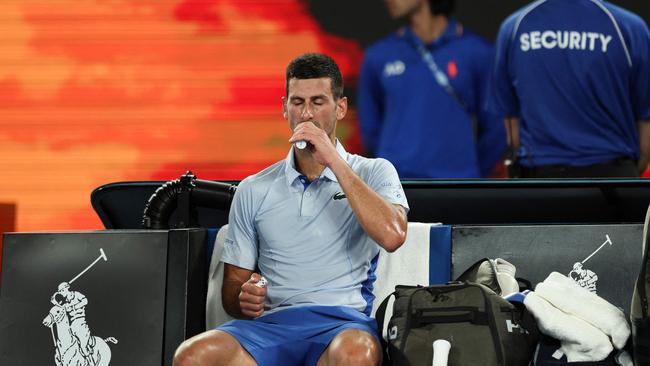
120,205
515,201
455,202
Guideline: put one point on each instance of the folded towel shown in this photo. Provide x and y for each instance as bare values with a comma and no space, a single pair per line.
569,297
581,341
409,265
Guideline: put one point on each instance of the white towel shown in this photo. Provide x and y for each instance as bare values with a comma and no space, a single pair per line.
408,265
215,315
580,340
569,297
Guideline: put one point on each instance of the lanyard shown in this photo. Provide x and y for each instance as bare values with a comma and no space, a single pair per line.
440,77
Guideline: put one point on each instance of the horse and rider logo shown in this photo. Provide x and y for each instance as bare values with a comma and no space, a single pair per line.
584,277
73,343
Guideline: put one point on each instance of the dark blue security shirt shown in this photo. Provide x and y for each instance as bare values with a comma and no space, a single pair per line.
409,119
577,74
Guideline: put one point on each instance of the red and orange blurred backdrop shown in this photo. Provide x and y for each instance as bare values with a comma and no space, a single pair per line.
101,91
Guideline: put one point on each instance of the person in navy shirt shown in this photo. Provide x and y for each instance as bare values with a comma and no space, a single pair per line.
573,79
421,96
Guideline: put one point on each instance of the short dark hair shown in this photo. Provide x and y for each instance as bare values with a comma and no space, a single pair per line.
444,7
314,66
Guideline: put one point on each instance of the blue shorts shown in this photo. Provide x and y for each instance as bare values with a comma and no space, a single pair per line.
298,335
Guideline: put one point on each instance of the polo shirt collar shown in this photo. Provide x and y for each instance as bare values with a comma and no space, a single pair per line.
290,165
453,30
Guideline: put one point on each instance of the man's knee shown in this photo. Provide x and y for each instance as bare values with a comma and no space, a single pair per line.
208,348
354,347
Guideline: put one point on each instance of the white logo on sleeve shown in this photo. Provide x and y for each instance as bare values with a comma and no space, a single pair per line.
394,68
571,40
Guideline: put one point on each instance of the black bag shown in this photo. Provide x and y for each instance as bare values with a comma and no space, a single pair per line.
482,327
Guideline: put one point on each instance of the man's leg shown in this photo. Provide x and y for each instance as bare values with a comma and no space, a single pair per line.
212,348
352,347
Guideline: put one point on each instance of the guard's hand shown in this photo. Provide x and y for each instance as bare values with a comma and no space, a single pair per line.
251,297
319,144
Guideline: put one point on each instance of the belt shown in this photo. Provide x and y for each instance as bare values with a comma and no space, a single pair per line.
619,167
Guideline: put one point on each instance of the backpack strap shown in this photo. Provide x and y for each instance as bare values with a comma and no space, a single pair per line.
380,316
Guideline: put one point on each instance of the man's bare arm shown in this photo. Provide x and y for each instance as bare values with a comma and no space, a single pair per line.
385,222
239,295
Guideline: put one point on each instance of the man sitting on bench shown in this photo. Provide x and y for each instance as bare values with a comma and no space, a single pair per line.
311,225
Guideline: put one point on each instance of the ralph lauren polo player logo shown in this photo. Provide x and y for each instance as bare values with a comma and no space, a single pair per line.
338,196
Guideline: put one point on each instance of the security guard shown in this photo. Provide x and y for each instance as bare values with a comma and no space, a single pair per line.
573,79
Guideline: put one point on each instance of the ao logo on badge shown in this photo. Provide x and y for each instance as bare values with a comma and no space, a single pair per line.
394,68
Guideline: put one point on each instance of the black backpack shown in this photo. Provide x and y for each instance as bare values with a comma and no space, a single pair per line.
482,327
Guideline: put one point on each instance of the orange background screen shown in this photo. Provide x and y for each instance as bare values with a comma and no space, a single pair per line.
101,91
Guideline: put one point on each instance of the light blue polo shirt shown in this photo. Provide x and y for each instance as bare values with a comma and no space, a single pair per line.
305,239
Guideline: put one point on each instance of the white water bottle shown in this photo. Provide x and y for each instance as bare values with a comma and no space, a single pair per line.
441,349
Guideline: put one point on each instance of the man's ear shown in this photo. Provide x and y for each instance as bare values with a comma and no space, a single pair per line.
341,108
284,107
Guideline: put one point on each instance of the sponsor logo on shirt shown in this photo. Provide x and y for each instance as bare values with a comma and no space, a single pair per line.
338,196
394,68
571,40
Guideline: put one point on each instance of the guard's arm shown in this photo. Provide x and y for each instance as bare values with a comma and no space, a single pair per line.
370,105
512,131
